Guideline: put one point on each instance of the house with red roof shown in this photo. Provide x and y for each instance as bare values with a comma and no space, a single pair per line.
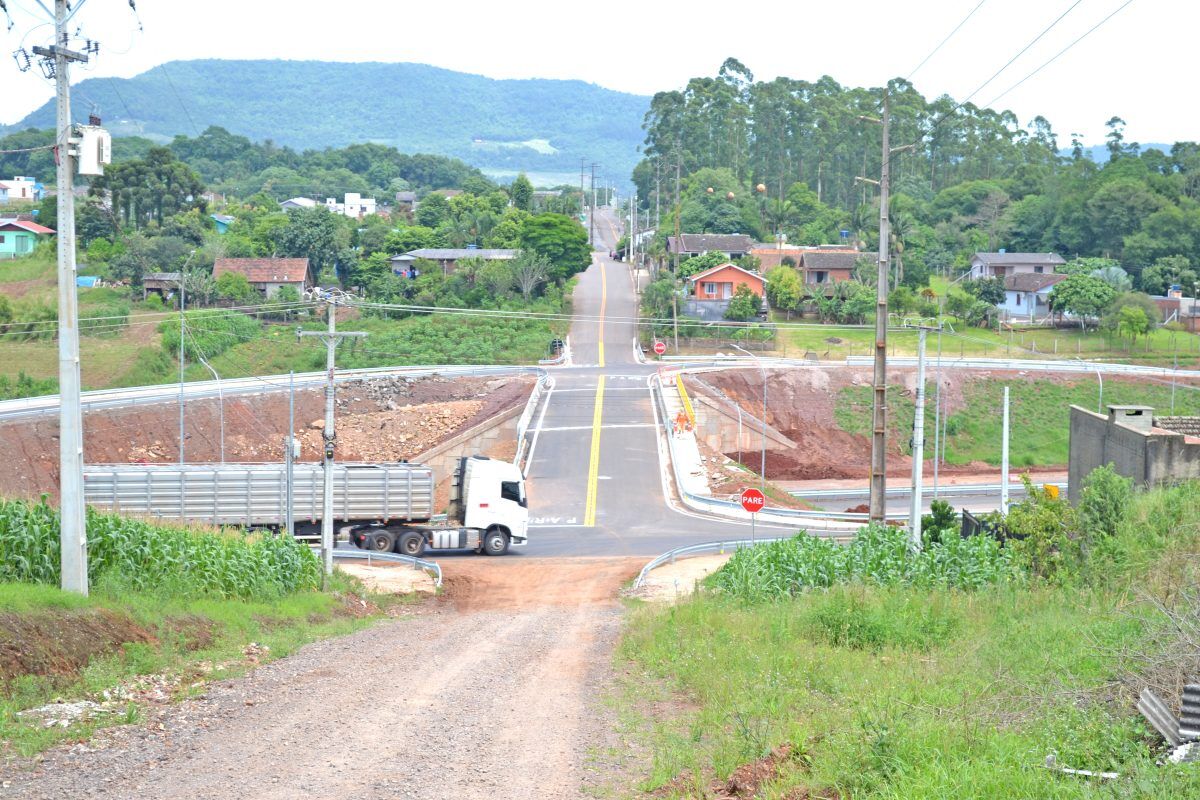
18,237
268,274
722,282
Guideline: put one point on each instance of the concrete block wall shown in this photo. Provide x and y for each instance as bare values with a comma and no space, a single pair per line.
1150,456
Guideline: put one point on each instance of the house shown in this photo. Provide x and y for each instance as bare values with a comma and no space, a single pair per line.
222,222
722,282
356,206
406,201
298,202
824,266
1174,307
1027,294
163,284
447,258
731,245
771,256
268,274
1002,264
18,237
21,188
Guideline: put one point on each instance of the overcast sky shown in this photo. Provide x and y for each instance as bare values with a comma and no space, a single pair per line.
1124,68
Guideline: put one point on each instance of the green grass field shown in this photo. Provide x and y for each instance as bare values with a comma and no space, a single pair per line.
902,692
1039,412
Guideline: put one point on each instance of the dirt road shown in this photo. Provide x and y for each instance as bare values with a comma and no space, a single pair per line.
493,691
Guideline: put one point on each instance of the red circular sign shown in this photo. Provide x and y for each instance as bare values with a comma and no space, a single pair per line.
753,500
660,347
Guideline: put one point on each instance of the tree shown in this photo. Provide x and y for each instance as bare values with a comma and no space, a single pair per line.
1132,323
561,240
234,286
697,264
149,189
989,290
432,211
496,277
530,271
200,287
1082,296
318,235
522,193
784,288
1115,277
744,305
1166,272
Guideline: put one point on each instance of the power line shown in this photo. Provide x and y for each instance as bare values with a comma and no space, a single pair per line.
949,36
1059,54
182,105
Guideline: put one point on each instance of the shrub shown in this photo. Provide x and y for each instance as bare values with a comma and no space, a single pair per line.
146,556
25,386
852,617
209,333
1044,534
1104,502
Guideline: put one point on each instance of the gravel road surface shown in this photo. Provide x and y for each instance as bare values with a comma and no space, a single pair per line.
493,691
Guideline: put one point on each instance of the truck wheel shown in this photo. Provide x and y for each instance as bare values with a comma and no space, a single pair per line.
495,542
412,544
381,542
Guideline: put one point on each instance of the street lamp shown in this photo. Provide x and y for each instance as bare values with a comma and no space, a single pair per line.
1100,378
763,464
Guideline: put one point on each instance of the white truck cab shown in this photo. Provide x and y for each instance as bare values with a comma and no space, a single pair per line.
492,495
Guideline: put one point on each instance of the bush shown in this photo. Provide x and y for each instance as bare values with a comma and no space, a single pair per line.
144,556
878,555
209,333
107,319
1104,502
25,386
1043,528
861,620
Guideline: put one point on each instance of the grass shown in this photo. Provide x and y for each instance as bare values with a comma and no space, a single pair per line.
1039,412
908,692
838,342
191,640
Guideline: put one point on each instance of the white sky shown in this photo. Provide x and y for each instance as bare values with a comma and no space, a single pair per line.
1124,68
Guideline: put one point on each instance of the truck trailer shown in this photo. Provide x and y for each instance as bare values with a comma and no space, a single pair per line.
382,507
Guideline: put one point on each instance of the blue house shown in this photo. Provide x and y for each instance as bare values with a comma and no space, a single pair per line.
222,221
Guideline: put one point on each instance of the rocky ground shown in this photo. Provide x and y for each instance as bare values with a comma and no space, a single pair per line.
378,420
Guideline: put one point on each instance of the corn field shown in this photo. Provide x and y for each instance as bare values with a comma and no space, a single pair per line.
144,556
878,555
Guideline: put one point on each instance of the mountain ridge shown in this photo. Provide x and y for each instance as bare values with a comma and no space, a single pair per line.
498,124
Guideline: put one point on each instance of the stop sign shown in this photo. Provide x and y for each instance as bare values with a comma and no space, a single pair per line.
660,347
753,500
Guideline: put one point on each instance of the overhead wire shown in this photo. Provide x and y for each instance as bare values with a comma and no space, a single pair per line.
942,43
1060,53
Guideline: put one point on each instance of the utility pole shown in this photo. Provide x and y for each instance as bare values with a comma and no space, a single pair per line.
592,215
918,448
73,533
289,455
678,214
582,196
182,303
331,337
1004,458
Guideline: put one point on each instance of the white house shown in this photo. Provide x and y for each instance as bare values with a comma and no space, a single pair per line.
20,188
1027,295
298,202
357,206
1001,265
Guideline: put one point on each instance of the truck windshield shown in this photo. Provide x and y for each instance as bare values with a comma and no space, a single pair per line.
513,490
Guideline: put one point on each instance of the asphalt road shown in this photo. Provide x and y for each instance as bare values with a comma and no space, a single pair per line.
596,484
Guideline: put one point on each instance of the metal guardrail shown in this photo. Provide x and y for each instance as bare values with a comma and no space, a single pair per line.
169,392
953,490
723,507
687,401
1031,365
431,567
696,549
544,382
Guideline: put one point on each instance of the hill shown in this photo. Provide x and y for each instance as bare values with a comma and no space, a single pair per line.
503,126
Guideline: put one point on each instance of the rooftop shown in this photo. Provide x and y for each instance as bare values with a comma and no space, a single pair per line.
1015,259
1032,281
708,242
456,253
264,270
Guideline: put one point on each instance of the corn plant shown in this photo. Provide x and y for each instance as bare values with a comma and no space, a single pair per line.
149,556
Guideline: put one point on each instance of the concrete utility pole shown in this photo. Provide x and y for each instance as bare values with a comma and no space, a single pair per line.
592,215
918,448
289,456
678,214
73,534
582,196
331,337
878,501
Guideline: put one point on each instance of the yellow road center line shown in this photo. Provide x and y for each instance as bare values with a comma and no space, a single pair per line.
589,511
603,303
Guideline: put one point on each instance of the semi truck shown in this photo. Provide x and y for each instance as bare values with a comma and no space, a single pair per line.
382,507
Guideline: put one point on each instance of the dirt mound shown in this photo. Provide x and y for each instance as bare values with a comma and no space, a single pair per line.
61,643
750,778
371,418
516,582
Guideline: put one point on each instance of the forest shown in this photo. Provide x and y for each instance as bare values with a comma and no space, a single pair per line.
786,156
